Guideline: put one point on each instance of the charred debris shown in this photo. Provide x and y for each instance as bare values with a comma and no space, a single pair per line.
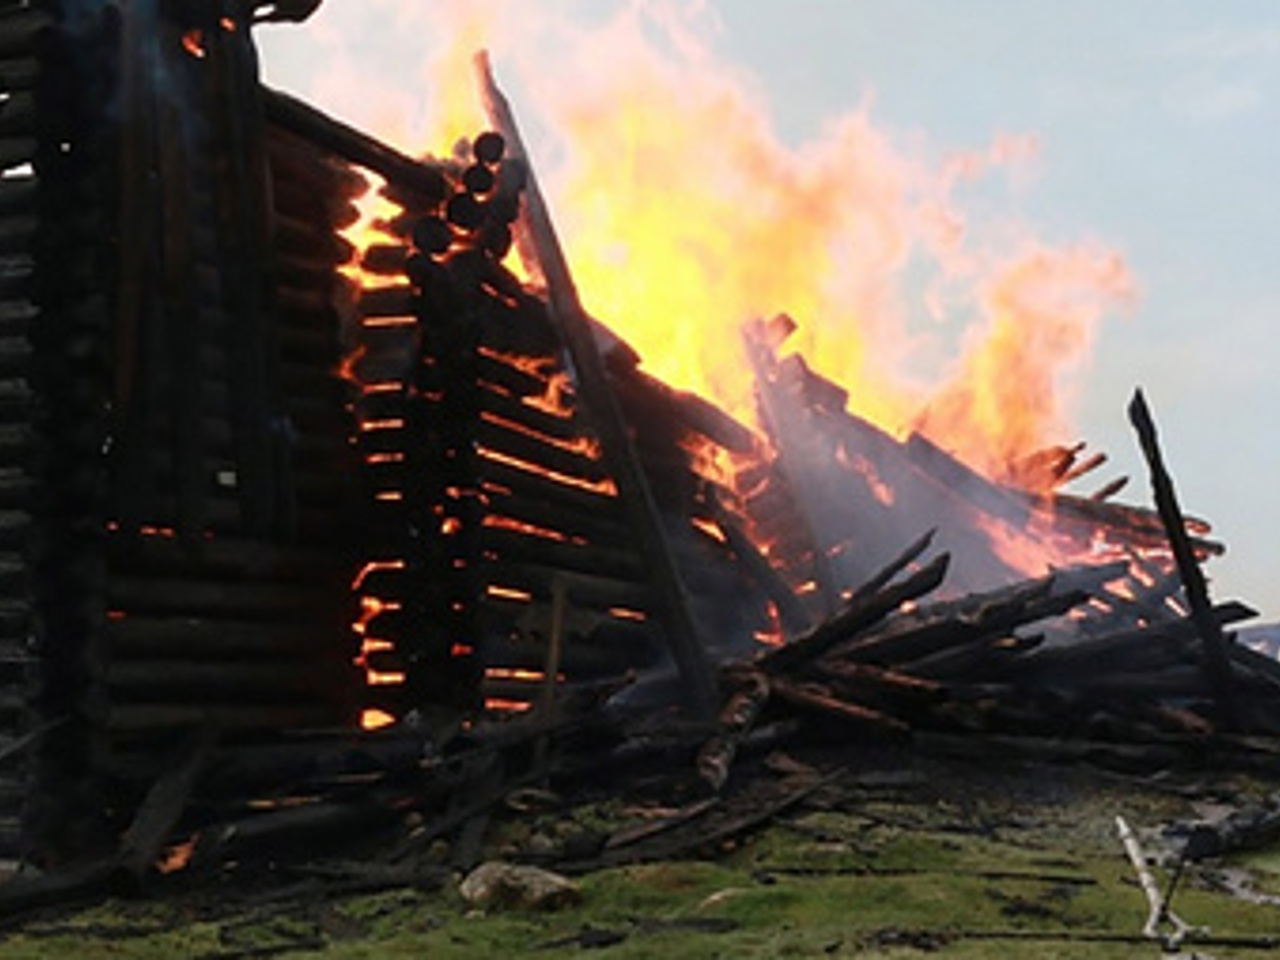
304,546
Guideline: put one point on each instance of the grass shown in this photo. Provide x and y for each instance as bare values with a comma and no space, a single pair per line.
970,868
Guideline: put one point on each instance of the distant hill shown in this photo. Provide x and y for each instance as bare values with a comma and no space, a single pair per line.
1264,638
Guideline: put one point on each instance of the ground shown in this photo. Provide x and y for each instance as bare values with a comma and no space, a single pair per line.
911,858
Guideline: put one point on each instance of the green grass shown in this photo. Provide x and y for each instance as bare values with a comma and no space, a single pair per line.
991,872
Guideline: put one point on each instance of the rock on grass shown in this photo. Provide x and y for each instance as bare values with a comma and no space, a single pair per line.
497,885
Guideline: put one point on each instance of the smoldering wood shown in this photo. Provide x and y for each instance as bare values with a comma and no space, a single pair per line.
696,414
385,259
882,578
629,646
877,682
306,176
1137,526
816,699
965,482
604,527
789,472
1045,469
539,453
927,633
1083,468
526,484
587,590
1125,651
791,613
306,238
499,373
532,339
980,655
578,558
334,824
162,808
396,301
564,428
857,615
1151,601
325,209
1108,490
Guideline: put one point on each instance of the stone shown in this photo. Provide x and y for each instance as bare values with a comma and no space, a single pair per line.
498,885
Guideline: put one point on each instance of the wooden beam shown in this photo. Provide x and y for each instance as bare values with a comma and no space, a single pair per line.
1217,664
595,391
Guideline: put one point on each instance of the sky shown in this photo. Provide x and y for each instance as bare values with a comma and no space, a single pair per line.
1155,133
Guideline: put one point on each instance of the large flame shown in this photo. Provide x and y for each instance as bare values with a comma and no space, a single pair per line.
684,215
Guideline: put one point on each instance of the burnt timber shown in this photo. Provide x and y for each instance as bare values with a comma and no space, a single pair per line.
256,492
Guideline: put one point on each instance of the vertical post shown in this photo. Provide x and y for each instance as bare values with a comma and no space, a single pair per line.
602,407
1217,664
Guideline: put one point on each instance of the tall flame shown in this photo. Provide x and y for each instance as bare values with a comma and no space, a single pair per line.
684,215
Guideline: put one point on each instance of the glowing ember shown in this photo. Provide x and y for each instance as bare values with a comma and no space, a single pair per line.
193,43
376,719
605,486
509,593
496,522
626,613
585,446
515,673
710,528
177,857
499,705
374,566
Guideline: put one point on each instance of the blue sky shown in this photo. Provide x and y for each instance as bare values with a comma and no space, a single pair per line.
1159,133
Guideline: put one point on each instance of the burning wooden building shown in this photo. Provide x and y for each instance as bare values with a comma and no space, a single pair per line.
287,507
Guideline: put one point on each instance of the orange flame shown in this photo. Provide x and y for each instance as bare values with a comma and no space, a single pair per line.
685,215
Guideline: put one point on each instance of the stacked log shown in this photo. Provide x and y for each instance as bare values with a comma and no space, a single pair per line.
26,302
231,499
172,539
488,474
